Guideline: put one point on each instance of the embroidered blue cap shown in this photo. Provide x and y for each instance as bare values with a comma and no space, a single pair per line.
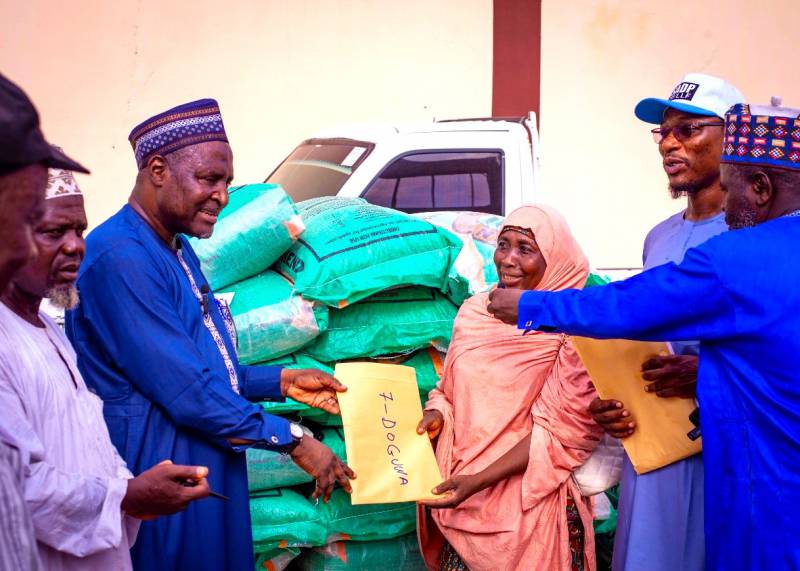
696,93
767,135
188,124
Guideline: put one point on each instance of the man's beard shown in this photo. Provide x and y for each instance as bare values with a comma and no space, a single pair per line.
692,187
741,218
683,190
65,297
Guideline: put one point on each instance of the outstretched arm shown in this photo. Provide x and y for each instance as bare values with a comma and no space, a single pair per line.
459,488
686,301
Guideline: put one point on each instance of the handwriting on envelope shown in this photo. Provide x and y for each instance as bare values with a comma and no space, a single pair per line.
380,412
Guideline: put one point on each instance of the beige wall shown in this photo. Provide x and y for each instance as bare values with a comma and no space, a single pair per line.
281,70
600,57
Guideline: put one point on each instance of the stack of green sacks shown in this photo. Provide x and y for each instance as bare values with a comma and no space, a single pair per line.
386,303
285,521
349,250
287,524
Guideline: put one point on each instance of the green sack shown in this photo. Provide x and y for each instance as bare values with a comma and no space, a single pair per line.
271,319
400,554
259,224
343,520
299,360
283,518
392,321
276,559
352,249
293,361
596,280
267,469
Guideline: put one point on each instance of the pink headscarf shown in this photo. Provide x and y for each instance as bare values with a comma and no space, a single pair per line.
567,266
498,386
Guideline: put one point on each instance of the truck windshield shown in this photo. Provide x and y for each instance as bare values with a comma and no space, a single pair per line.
319,167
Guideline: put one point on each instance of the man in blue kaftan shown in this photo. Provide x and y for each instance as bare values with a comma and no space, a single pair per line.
738,294
153,343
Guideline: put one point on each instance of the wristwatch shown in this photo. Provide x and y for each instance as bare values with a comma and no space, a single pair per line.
297,435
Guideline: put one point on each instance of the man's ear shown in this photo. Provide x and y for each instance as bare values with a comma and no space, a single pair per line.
762,188
157,170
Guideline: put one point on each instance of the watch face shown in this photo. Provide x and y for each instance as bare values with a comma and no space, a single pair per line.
297,431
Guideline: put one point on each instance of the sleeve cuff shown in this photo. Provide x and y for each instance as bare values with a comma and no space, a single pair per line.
108,533
262,383
277,435
529,312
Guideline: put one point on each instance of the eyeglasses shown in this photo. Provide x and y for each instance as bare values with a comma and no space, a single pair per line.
682,132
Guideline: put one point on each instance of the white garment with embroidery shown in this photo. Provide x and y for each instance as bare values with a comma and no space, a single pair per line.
75,480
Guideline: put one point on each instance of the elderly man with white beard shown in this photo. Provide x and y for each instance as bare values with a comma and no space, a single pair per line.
83,501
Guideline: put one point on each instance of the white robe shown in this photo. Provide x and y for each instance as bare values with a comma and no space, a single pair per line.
75,480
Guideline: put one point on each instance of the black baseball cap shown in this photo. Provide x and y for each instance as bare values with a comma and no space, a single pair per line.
21,140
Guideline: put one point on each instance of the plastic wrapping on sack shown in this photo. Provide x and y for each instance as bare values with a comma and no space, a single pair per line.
474,270
271,319
400,554
277,559
267,469
259,224
343,520
392,321
352,249
283,518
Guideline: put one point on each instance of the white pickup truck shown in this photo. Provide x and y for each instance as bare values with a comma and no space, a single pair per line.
480,165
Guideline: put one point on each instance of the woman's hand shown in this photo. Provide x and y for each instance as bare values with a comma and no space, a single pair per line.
455,490
432,423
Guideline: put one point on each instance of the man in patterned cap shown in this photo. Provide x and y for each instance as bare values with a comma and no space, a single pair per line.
77,488
737,294
153,343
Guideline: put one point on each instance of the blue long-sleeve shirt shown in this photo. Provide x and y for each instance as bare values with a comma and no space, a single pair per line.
739,295
143,347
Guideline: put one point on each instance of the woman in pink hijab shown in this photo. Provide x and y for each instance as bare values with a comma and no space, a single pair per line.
511,422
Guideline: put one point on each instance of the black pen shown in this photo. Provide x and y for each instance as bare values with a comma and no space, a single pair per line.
213,494
218,496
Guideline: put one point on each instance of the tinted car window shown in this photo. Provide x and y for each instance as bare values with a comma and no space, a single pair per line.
429,181
319,167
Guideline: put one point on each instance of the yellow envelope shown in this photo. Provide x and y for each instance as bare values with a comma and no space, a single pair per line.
380,413
615,366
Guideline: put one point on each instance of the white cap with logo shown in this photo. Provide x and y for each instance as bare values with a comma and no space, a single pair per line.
696,93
